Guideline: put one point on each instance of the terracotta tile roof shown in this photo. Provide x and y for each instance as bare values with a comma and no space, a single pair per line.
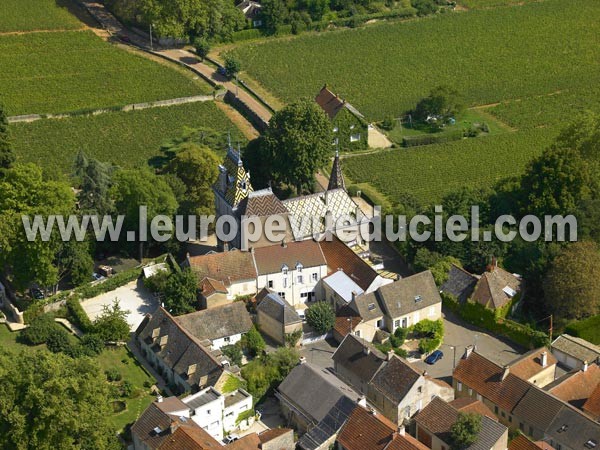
405,442
273,433
471,405
218,322
485,377
490,289
189,437
248,442
339,256
226,267
522,443
578,387
530,364
272,258
332,104
344,324
208,287
365,431
592,405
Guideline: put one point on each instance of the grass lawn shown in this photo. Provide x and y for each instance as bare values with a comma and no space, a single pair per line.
75,70
385,68
432,171
30,15
123,138
121,359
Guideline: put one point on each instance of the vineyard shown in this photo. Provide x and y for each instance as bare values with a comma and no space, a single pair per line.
433,171
30,15
384,69
122,138
478,4
67,71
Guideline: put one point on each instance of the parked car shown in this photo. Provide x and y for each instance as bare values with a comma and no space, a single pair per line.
97,277
231,438
37,293
222,71
434,357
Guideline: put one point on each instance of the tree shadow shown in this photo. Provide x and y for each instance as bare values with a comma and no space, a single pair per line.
78,11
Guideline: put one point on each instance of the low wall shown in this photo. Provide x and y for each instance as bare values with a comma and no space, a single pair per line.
246,111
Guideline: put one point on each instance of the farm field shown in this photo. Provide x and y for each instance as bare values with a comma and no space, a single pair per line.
430,172
74,70
32,15
122,138
477,4
384,69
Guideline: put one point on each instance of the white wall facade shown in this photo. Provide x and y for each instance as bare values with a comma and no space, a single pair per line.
297,286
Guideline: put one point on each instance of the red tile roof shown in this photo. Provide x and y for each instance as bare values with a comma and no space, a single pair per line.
592,405
489,290
366,431
271,259
208,286
273,433
522,443
405,442
189,437
248,442
339,256
344,324
530,364
577,388
226,267
471,405
486,378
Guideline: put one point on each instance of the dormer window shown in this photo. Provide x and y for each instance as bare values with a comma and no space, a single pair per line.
284,269
418,298
371,306
299,267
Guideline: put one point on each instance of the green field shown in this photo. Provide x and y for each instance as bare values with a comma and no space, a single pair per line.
430,172
74,70
30,15
488,55
479,4
122,138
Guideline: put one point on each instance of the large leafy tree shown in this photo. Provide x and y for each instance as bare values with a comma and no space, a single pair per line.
274,13
112,324
24,191
52,402
321,317
94,178
7,157
571,288
181,292
299,137
442,101
197,166
465,430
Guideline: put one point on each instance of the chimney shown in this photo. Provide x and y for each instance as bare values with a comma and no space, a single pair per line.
390,355
362,401
302,360
174,426
506,372
159,399
283,243
366,350
353,295
544,359
373,412
468,350
424,373
584,368
401,430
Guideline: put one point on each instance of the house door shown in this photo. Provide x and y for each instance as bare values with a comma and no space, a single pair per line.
405,323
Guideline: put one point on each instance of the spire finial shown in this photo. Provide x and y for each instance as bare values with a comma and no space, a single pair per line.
229,140
239,155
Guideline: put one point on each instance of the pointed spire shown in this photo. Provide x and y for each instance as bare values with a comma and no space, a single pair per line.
239,155
336,180
228,140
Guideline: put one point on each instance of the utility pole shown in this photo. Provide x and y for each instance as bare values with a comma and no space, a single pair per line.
151,46
551,329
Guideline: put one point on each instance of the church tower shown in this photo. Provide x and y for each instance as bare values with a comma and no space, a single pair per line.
336,180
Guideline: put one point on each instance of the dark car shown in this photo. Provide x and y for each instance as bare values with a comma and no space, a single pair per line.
434,357
222,71
37,294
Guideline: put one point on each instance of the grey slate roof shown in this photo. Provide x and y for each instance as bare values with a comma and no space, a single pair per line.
538,407
577,347
460,283
352,355
219,322
313,391
573,429
277,308
395,379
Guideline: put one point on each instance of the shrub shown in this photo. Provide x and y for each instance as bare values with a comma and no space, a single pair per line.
92,344
126,388
291,339
234,353
113,374
588,329
401,352
112,324
39,330
321,317
58,340
427,345
253,341
77,315
401,334
202,47
232,65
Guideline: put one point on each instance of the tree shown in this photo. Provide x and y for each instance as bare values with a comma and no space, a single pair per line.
92,343
112,324
181,292
234,353
202,47
254,342
465,430
555,182
321,317
571,286
232,65
94,178
50,401
198,167
7,157
442,102
299,136
74,257
424,7
58,340
274,14
38,331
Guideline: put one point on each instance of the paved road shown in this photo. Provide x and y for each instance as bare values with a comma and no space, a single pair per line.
111,24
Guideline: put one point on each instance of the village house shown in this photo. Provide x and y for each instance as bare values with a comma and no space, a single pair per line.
460,283
522,405
223,276
521,442
316,403
252,12
400,304
390,383
577,386
435,421
218,326
574,352
293,270
497,288
368,430
276,318
185,363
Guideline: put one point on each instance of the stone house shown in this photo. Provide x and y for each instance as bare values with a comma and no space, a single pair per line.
573,352
276,318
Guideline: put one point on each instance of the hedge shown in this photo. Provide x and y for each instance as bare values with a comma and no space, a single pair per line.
588,329
78,316
371,195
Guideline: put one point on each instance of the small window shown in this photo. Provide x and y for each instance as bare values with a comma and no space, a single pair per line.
510,419
284,269
300,279
227,339
420,389
303,294
459,386
521,426
371,306
285,282
496,410
299,267
270,284
431,311
470,391
380,323
208,412
396,323
503,414
315,277
281,294
357,333
530,431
